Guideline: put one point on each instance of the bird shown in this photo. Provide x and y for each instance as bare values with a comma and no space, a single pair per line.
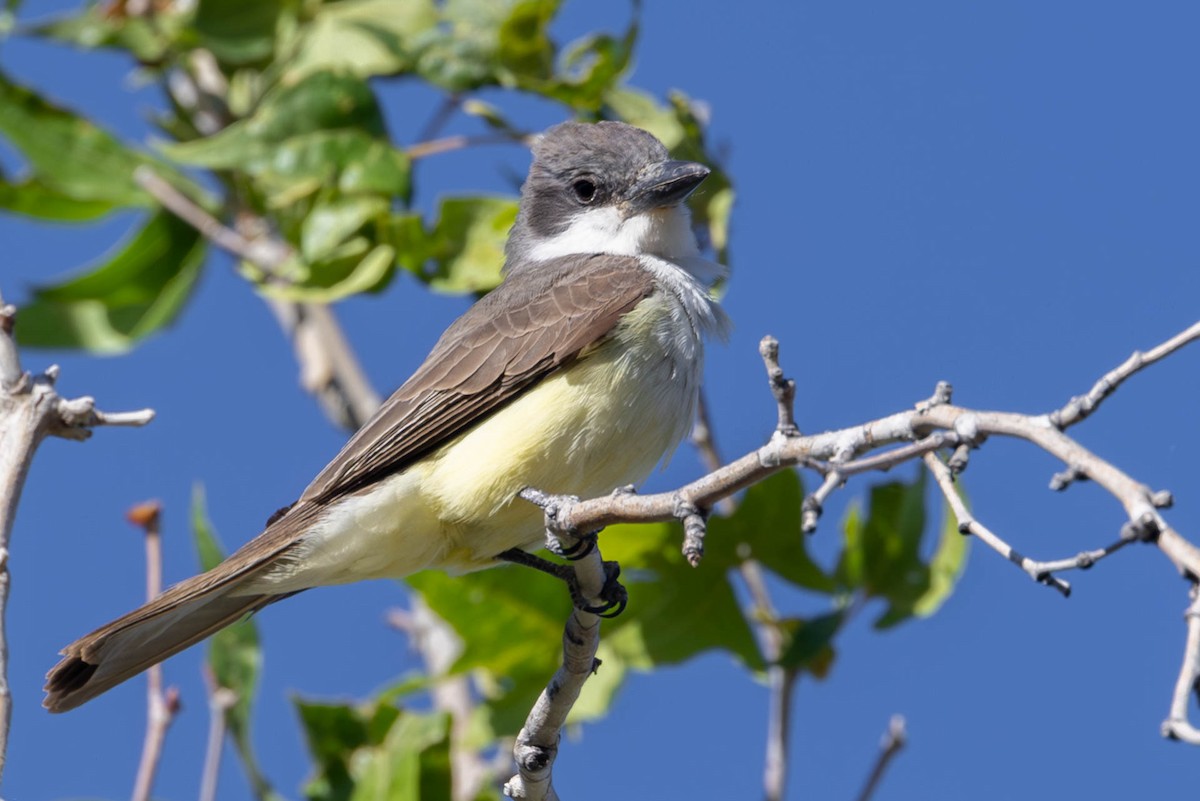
577,374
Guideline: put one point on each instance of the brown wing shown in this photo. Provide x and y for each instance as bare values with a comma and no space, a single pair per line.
534,323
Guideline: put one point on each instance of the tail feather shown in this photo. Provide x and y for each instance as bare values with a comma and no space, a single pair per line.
182,616
103,659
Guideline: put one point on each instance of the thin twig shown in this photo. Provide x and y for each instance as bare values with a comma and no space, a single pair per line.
1041,572
1176,726
1080,407
448,144
437,121
894,740
161,706
705,441
220,701
782,388
267,253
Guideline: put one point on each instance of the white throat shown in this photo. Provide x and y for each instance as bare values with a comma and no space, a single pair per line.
665,233
662,240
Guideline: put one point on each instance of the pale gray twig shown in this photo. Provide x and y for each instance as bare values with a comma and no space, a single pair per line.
783,389
161,706
1080,407
894,739
1177,726
220,701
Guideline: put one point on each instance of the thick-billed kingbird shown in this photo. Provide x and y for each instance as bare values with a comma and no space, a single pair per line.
578,374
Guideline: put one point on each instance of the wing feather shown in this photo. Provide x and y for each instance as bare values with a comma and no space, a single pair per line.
536,322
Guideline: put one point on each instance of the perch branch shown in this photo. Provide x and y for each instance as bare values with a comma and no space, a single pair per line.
932,425
537,743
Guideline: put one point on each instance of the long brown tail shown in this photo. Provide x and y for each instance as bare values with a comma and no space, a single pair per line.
182,616
108,656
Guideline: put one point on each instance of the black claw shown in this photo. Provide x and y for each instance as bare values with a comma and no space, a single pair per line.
581,548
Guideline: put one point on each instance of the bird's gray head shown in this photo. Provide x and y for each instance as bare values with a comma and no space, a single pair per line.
605,187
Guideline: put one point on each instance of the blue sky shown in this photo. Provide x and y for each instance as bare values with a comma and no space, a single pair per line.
1000,195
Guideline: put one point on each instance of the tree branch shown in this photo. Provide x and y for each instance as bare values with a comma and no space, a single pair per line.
537,742
31,410
933,425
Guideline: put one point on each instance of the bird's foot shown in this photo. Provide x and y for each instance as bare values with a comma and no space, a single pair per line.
612,597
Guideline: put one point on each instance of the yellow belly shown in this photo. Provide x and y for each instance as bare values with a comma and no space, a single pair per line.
604,422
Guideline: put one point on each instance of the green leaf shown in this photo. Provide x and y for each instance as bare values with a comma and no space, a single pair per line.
66,153
406,234
766,527
364,37
347,271
318,103
640,108
324,131
467,243
523,47
236,31
590,69
882,555
33,198
146,38
234,656
675,611
330,224
808,644
947,565
412,764
375,751
133,293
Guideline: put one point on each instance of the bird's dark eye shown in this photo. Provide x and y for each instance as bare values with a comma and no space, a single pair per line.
584,189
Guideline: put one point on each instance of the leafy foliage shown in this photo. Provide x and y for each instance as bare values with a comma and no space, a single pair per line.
297,138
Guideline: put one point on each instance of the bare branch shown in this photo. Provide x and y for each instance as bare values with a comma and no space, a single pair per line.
161,707
894,739
265,252
764,618
1176,726
220,701
1080,407
1042,572
537,743
448,144
932,425
782,388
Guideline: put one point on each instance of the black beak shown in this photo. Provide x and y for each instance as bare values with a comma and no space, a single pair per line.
667,184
